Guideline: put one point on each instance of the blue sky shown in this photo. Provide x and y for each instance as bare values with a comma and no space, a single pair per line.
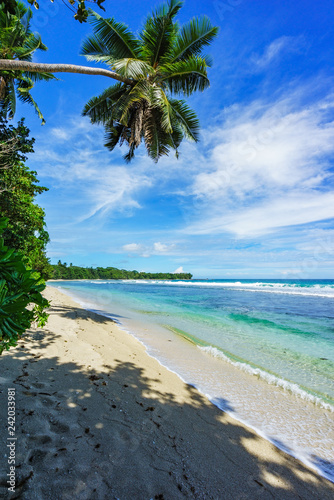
253,199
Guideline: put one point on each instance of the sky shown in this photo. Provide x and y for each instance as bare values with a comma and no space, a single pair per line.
253,199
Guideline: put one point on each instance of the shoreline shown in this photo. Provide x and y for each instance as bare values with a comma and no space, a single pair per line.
257,400
108,420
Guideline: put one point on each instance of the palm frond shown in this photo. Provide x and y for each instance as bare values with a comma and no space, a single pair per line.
93,50
130,154
113,135
38,77
208,60
192,37
99,108
31,43
186,76
186,118
24,83
177,136
24,14
162,102
124,107
115,38
159,32
133,68
156,141
25,96
10,99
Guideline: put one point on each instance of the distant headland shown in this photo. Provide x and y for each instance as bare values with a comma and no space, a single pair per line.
61,271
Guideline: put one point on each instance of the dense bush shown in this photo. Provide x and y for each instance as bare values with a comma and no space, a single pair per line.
20,287
19,186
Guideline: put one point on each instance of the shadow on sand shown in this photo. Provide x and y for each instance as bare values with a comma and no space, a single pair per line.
116,434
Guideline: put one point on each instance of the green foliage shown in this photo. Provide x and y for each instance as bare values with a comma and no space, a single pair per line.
65,272
18,42
80,11
19,288
164,61
25,230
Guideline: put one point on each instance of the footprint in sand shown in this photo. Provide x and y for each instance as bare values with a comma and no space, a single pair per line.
37,456
59,427
38,385
40,439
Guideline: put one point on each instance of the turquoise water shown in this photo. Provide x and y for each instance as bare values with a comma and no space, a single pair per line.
279,334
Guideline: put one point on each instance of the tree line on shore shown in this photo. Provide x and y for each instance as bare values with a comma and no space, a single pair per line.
61,271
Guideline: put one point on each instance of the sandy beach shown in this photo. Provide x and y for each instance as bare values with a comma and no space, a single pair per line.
97,418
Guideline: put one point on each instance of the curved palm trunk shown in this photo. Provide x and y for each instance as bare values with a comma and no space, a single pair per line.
13,64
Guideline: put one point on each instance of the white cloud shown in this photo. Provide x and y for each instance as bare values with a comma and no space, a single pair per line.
89,175
274,50
161,247
148,250
178,270
271,215
132,247
269,167
59,133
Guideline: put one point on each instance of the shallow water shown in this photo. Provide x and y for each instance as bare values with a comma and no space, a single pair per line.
264,351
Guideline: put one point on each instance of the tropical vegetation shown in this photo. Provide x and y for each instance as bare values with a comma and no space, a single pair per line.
62,271
77,7
17,42
20,288
165,61
26,228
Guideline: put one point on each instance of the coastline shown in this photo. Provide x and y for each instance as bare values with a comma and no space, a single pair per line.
97,417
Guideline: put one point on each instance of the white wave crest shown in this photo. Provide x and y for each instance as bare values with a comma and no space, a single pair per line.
316,290
269,378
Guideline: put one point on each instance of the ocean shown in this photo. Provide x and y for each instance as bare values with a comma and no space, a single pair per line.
261,350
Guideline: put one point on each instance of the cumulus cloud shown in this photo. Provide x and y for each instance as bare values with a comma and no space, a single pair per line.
148,250
132,248
161,247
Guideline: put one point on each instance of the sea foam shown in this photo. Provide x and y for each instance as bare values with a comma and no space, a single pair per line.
269,378
279,288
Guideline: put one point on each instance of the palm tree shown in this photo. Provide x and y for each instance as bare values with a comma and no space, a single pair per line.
18,42
164,61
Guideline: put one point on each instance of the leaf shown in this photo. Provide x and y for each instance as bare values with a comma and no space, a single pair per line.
115,38
193,36
186,76
159,32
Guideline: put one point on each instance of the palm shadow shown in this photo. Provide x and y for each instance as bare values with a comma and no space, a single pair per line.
117,433
97,315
